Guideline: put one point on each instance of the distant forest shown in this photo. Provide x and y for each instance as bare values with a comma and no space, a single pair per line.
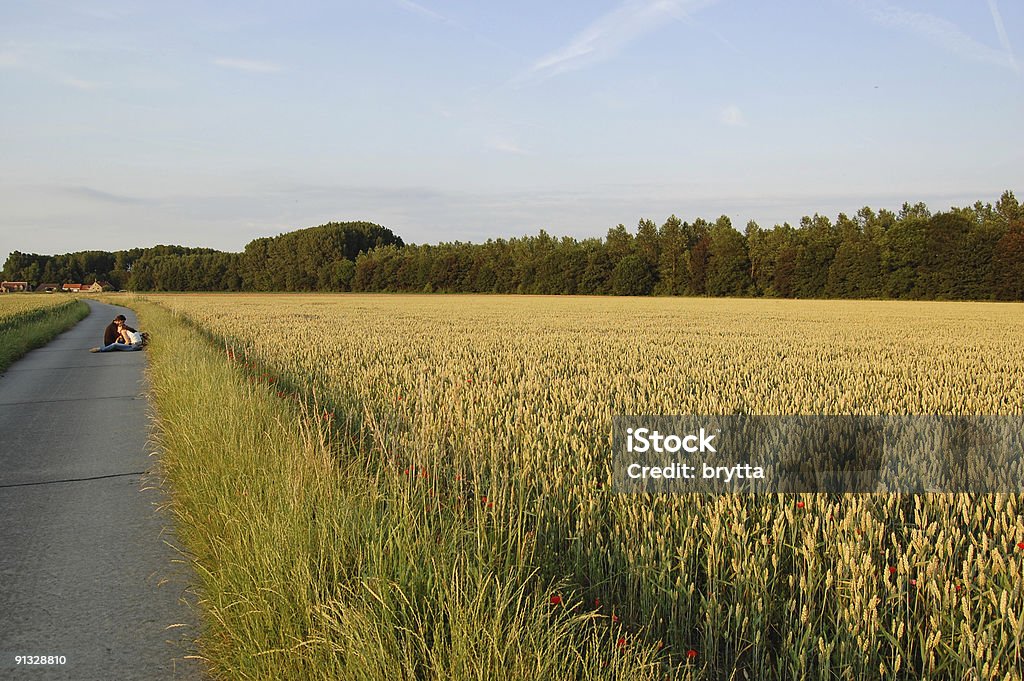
971,253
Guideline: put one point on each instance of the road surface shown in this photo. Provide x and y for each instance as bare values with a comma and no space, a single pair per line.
86,571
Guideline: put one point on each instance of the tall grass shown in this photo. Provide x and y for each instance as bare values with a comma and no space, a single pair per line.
28,322
314,565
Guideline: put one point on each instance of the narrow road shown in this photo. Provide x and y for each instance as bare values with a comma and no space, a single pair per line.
86,571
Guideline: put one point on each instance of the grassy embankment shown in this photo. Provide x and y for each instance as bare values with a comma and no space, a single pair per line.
28,323
310,567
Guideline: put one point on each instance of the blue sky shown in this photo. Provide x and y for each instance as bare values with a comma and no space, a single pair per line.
209,124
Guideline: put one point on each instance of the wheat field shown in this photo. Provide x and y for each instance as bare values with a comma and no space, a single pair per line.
13,305
28,321
487,420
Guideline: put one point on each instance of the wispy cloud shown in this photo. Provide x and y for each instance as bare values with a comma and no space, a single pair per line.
417,8
732,116
31,64
610,33
106,14
942,32
94,194
506,146
81,84
250,65
1004,39
433,15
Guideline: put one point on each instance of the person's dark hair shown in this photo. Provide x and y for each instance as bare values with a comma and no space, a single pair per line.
120,318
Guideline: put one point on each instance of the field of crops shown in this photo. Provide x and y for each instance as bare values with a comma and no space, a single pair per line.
488,420
28,321
14,306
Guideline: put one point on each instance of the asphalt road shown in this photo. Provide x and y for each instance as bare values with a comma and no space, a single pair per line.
87,568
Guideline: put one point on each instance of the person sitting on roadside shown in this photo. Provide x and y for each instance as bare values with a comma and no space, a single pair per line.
128,339
112,332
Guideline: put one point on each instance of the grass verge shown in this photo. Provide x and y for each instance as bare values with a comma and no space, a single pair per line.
34,328
313,567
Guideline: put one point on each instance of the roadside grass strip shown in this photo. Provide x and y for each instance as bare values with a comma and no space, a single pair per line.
28,323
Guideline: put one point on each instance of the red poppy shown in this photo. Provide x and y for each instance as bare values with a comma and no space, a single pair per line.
913,582
799,504
1020,545
597,602
615,618
621,643
555,600
959,588
892,569
691,654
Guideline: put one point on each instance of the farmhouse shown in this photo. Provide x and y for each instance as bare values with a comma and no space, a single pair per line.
95,287
47,288
13,287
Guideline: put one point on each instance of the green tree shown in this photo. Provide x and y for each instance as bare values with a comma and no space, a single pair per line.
728,270
903,252
597,274
817,242
673,268
619,243
855,271
632,276
1008,264
647,243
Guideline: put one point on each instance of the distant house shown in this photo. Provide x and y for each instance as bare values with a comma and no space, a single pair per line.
47,288
73,288
13,287
99,287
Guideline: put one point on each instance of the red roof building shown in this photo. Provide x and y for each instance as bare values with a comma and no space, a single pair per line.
14,287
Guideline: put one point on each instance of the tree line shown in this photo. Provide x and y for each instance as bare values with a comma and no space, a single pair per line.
974,253
314,259
970,253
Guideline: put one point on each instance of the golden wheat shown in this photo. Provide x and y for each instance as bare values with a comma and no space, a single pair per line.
14,304
502,407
